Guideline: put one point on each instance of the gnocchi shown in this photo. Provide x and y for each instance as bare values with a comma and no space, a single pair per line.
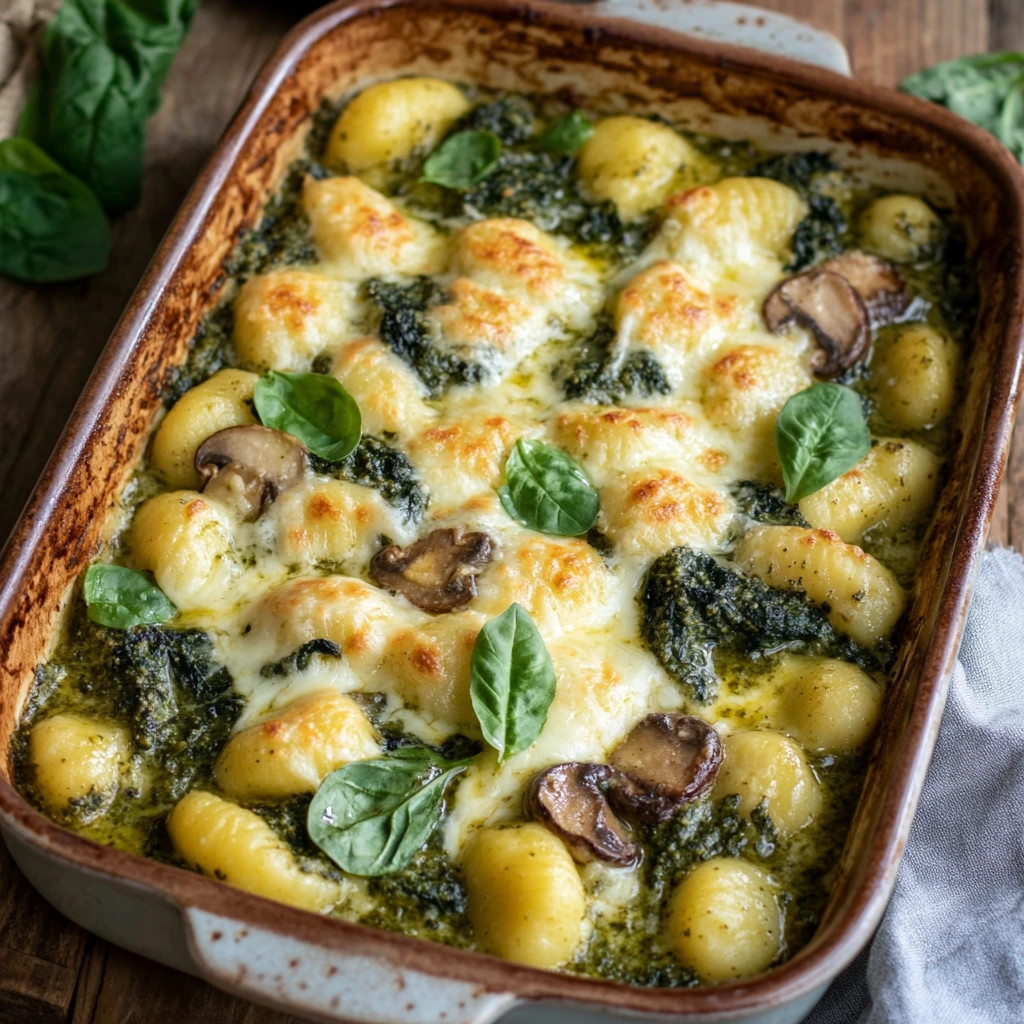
914,376
901,228
526,900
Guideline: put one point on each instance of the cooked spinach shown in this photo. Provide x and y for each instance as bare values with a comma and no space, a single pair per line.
175,700
52,227
102,64
987,89
508,117
301,658
403,326
765,503
819,235
207,353
591,377
374,463
692,605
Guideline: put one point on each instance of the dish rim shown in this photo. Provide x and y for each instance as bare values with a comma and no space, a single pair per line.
841,936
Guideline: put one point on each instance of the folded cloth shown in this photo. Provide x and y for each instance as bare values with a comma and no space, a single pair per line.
950,949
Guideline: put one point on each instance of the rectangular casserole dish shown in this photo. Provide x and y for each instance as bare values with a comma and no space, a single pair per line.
331,970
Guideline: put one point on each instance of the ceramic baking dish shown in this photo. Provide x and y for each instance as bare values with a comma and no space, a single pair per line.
328,969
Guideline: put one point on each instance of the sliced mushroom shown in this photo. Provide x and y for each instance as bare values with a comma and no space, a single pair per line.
877,282
569,800
438,572
250,466
667,760
828,305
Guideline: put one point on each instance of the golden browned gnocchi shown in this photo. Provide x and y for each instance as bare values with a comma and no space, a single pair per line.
223,400
725,921
862,597
389,121
762,766
225,841
77,763
914,377
901,228
530,574
634,162
526,900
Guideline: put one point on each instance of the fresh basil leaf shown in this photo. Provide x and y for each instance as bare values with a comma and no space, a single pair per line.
987,89
547,491
102,64
371,817
567,133
512,681
52,228
313,407
123,598
819,435
463,159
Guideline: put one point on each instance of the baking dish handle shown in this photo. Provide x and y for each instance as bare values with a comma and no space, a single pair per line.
314,981
738,24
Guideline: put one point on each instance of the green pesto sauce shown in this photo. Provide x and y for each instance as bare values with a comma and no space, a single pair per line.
176,703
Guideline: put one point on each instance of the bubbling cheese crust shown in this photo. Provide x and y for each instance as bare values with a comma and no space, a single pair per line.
329,668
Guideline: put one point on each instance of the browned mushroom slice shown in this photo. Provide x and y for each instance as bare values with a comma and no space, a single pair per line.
250,466
667,760
826,304
438,572
569,800
878,283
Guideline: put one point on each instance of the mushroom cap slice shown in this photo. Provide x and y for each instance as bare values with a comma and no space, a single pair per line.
249,466
879,284
438,572
667,760
828,305
569,800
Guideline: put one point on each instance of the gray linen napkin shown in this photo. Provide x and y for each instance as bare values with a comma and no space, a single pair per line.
950,949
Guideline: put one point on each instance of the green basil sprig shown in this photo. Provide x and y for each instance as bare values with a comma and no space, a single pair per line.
819,435
52,228
987,89
101,67
463,159
123,598
313,407
547,491
512,681
371,817
567,133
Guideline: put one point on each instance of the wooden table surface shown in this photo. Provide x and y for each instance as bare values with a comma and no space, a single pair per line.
50,337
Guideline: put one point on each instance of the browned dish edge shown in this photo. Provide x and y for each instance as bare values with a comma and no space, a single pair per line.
894,797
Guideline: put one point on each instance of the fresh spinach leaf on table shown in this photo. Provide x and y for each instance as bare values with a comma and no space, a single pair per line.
101,68
819,435
371,817
987,89
52,228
